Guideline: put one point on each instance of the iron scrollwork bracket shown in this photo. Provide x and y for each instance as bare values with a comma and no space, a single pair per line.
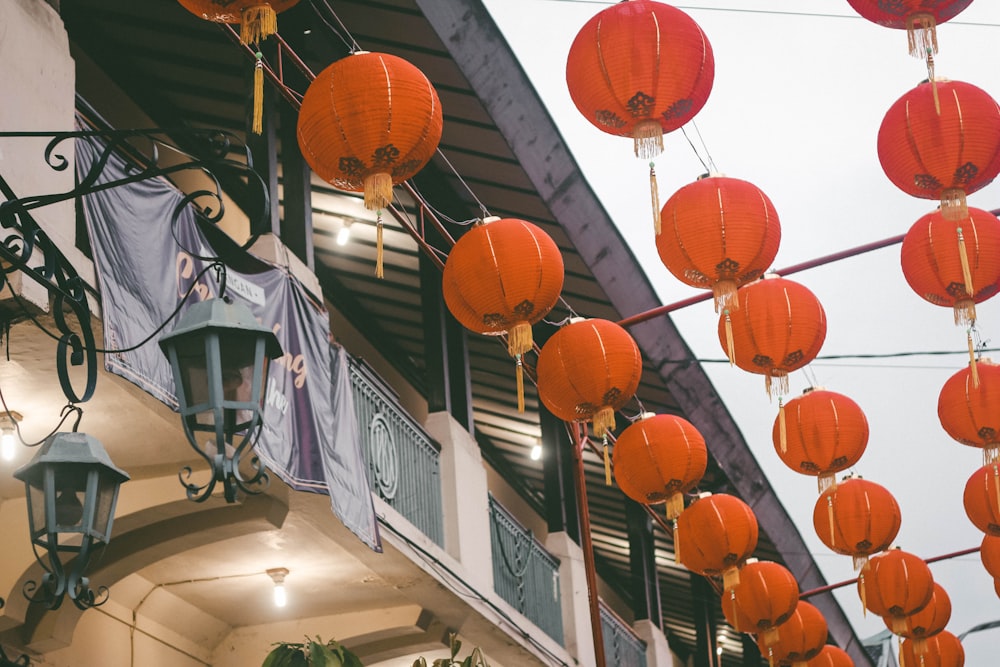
22,236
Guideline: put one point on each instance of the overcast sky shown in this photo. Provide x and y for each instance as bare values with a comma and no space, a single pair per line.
800,91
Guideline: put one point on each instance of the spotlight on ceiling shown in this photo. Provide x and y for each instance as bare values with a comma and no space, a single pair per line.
8,439
278,575
536,451
344,235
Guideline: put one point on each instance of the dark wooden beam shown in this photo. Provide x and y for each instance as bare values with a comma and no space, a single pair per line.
645,583
297,222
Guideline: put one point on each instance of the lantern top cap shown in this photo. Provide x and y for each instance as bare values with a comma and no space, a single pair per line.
221,315
71,448
809,390
490,218
646,415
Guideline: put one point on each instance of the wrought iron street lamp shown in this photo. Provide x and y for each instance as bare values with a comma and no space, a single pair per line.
72,488
219,354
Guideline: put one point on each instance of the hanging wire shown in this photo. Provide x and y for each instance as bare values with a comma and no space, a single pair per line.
425,202
708,153
351,43
482,207
695,149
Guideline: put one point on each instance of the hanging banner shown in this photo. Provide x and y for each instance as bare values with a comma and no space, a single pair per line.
145,268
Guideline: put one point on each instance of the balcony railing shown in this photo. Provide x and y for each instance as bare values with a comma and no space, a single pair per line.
403,463
524,574
621,646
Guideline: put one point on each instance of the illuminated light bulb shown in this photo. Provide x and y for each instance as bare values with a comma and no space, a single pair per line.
536,452
344,235
278,575
8,446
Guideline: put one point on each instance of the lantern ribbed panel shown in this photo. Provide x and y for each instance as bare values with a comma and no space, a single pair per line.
927,622
639,61
856,517
970,414
500,274
825,432
800,638
232,11
716,533
658,457
897,584
982,499
942,650
368,114
990,554
831,656
765,597
779,326
894,14
586,366
932,263
924,153
718,231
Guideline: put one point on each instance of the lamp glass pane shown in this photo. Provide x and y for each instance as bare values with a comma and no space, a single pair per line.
107,490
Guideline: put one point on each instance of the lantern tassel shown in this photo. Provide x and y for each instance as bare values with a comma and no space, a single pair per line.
677,543
825,481
378,191
730,346
996,486
991,452
898,625
782,429
972,360
607,464
519,339
930,77
902,658
258,23
776,382
724,293
654,196
648,136
770,657
675,505
921,34
604,421
829,514
919,646
379,252
863,594
257,125
963,255
730,578
519,373
771,636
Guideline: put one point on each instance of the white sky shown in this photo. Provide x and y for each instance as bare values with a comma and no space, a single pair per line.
800,91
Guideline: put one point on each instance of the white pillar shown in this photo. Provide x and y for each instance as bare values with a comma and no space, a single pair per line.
658,653
465,499
578,636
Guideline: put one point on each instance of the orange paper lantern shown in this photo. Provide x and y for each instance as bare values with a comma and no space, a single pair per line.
982,498
659,458
954,263
501,277
990,555
971,414
941,154
715,535
856,518
941,650
894,585
831,656
718,233
918,17
927,622
639,69
777,327
801,638
587,370
820,433
764,599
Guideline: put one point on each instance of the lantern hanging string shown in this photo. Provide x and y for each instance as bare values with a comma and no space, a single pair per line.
349,41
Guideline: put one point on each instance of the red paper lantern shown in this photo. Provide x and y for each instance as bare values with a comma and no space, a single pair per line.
718,233
944,154
831,656
971,414
639,69
990,555
659,458
801,639
777,327
765,598
942,650
982,498
954,263
856,518
587,370
820,433
927,622
257,18
918,17
894,585
715,535
501,277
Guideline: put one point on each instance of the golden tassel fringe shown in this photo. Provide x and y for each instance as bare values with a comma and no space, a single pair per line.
519,339
730,578
826,481
776,382
675,505
724,292
898,625
519,373
965,312
677,543
654,196
604,421
782,428
991,452
607,465
257,125
379,252
378,191
863,593
953,206
921,34
770,636
996,486
972,361
648,136
730,346
963,255
258,23
829,514
860,563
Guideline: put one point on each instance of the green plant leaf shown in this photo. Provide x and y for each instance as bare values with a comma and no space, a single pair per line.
456,646
322,656
282,655
298,659
419,662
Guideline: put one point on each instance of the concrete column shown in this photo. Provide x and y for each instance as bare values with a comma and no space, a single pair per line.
465,499
577,634
658,653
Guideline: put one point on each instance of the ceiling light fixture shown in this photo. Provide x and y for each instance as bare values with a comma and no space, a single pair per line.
278,575
536,451
8,439
344,234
